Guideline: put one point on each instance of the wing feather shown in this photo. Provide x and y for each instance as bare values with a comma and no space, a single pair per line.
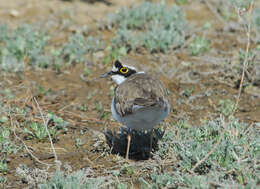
130,97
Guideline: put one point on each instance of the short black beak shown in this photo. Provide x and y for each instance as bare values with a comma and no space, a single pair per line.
106,74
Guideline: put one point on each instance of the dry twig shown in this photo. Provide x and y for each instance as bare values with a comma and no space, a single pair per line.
245,63
27,149
58,163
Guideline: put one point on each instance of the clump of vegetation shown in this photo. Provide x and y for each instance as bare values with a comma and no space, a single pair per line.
57,122
22,46
3,167
154,26
226,107
163,180
27,45
100,109
232,151
77,180
114,54
6,144
77,48
199,46
38,130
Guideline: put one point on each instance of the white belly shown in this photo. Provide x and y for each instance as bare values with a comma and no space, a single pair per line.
144,119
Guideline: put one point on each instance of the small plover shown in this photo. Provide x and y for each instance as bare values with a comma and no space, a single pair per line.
140,101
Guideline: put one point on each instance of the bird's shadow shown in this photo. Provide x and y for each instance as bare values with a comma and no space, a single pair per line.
140,142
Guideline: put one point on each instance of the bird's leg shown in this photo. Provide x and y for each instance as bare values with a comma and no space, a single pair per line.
151,143
128,143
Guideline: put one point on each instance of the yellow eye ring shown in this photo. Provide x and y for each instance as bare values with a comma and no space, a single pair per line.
124,70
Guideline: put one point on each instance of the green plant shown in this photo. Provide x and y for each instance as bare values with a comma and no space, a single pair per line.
155,26
102,113
3,167
82,107
199,46
22,46
121,186
77,48
77,180
226,107
78,142
128,170
181,2
250,60
114,53
6,145
162,181
38,131
44,91
57,122
232,149
3,180
188,91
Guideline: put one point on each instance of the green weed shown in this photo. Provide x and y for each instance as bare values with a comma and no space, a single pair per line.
154,26
77,48
27,45
114,53
82,107
57,122
78,142
3,167
226,107
38,131
188,91
23,46
6,144
233,161
3,180
128,170
199,46
101,111
77,180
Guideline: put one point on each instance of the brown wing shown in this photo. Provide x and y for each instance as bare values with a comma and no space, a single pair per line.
141,90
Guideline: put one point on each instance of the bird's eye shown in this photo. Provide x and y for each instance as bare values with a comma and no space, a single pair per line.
124,70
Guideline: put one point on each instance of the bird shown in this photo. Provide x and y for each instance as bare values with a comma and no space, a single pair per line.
140,101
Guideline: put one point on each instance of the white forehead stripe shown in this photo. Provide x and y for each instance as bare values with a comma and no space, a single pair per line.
131,67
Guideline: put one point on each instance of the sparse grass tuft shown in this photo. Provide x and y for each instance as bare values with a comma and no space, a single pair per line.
154,26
